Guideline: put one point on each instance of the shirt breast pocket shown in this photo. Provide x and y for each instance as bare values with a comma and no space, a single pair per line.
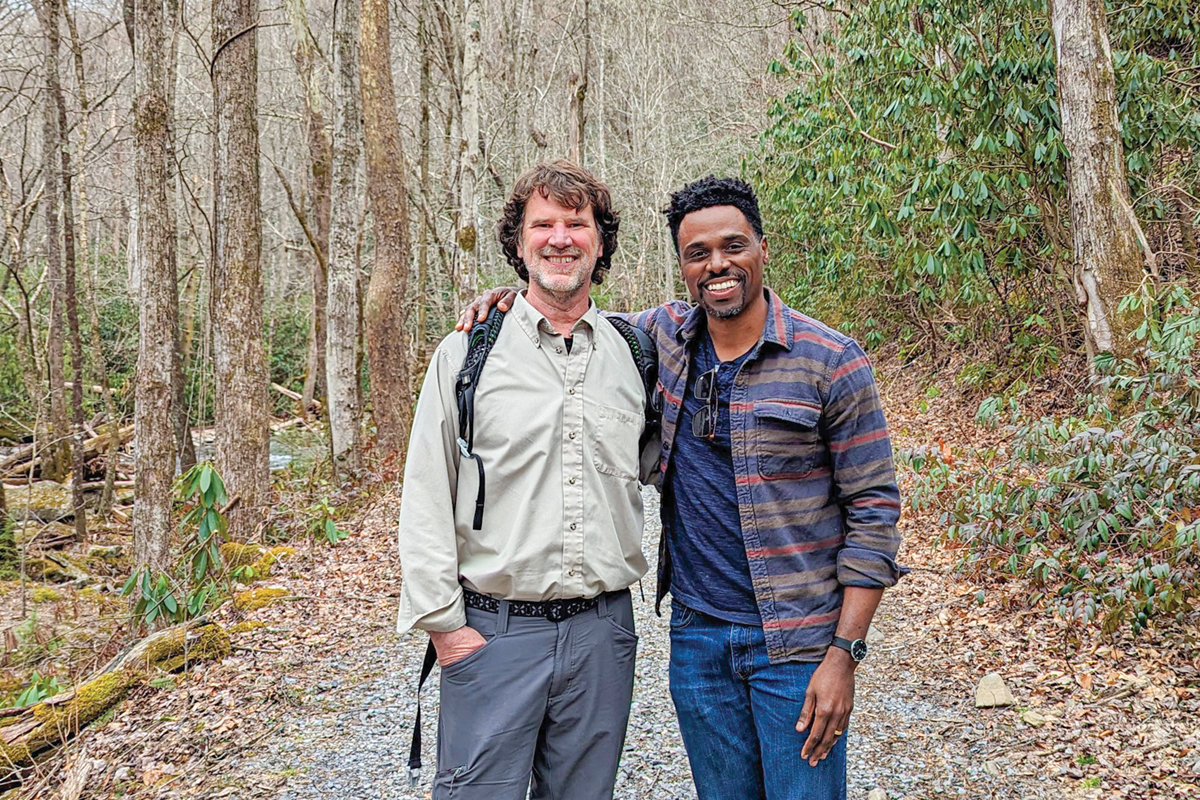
789,439
615,437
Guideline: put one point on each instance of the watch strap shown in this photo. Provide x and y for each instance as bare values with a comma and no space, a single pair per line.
848,645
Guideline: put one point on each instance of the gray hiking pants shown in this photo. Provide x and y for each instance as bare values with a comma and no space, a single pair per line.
543,699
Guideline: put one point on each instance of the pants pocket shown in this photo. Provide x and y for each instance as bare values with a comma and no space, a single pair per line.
445,782
681,616
471,658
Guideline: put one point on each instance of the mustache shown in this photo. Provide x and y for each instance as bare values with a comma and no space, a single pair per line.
546,252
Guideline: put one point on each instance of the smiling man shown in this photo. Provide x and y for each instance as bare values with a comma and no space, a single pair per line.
526,599
779,512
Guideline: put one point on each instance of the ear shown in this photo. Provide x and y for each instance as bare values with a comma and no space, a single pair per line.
765,255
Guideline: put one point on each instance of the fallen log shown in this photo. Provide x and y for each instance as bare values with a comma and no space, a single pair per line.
57,719
92,447
278,425
299,398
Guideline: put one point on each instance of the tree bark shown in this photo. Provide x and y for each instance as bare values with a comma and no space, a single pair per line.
387,194
97,344
184,446
54,13
425,88
470,157
153,416
341,342
318,192
1108,255
237,292
52,204
579,90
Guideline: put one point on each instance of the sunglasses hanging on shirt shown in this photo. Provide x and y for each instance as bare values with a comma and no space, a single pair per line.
704,422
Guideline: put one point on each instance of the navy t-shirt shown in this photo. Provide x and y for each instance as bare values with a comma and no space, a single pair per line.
710,572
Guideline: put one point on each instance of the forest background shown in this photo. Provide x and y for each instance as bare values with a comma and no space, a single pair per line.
230,228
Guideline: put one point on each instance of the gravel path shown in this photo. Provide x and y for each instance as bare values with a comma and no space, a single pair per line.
914,733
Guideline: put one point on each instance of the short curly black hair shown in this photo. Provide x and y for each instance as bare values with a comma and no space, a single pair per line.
567,184
708,192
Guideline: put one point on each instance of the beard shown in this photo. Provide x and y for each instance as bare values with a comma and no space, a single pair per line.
729,308
724,312
559,284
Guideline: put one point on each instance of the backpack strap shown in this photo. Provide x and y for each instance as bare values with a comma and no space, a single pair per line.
480,340
645,357
414,752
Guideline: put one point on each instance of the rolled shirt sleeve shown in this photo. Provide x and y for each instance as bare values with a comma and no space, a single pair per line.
864,476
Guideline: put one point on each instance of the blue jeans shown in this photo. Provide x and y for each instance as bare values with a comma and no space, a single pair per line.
738,712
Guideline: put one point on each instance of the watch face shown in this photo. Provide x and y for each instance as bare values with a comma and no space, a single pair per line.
858,649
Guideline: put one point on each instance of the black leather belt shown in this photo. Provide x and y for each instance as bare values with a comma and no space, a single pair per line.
553,610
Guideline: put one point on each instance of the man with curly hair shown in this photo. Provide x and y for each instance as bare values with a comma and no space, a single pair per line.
528,604
779,511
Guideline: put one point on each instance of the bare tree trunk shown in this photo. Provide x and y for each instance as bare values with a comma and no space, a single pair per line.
318,182
54,12
52,199
184,446
341,343
237,291
78,478
110,406
424,41
579,90
153,417
384,311
1108,256
470,158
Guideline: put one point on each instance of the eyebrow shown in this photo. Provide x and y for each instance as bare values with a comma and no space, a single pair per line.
574,218
729,237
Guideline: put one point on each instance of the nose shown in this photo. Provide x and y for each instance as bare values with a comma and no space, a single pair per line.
717,261
559,237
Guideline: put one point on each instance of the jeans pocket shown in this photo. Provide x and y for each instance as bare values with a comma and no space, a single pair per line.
681,616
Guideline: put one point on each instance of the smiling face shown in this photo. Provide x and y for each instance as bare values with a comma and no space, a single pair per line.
559,246
722,258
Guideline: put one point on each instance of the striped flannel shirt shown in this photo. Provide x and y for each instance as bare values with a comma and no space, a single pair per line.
816,488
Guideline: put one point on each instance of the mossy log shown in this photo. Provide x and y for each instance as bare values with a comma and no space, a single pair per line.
55,720
256,557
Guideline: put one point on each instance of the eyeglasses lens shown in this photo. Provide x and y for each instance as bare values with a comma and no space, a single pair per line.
704,423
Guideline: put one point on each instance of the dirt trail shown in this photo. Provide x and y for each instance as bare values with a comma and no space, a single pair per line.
317,699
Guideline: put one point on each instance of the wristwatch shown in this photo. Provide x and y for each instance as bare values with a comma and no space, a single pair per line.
857,648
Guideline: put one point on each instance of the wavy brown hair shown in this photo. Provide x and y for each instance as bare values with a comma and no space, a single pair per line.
569,185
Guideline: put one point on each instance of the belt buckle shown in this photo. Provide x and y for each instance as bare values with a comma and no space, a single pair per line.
555,611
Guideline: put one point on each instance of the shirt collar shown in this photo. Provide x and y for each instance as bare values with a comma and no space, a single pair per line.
531,320
777,329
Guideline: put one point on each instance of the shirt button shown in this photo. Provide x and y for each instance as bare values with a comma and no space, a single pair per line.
574,573
571,481
571,435
571,390
558,349
573,526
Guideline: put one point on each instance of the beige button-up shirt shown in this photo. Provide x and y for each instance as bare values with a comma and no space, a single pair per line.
558,433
